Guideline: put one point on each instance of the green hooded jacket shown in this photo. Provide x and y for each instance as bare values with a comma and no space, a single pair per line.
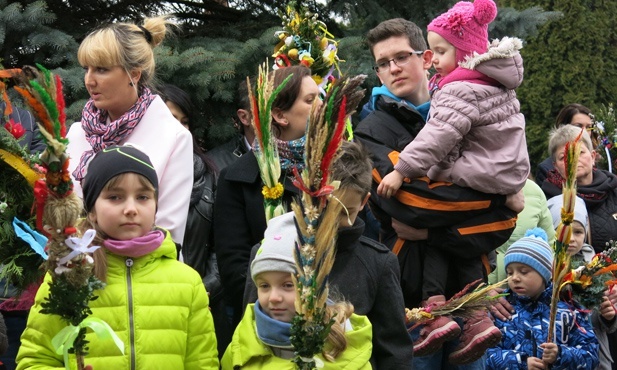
155,304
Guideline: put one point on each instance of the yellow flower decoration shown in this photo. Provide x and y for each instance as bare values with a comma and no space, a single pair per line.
274,192
305,40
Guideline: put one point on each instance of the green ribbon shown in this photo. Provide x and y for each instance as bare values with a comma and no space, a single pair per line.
63,341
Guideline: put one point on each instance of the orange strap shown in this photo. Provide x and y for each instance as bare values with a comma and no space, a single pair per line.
398,245
486,264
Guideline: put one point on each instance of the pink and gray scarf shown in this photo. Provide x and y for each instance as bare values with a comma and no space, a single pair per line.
101,134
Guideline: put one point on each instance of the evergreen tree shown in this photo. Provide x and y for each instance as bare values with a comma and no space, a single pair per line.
571,60
28,35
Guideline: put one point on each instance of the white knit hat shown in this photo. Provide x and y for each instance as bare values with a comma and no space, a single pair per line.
277,248
580,211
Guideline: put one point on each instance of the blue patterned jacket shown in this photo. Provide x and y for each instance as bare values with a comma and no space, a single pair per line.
528,328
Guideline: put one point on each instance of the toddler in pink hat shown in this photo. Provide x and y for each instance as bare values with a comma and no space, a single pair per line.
474,137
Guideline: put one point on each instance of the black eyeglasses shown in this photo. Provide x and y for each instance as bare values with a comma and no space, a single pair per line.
399,60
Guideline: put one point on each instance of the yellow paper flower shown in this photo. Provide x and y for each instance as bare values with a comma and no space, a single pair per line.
274,192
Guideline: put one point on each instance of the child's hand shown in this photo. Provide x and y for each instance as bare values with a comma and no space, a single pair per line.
390,184
534,363
550,352
607,310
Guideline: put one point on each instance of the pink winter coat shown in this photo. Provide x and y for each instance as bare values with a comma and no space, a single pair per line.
475,136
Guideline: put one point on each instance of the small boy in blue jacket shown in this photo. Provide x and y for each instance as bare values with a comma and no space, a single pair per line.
528,264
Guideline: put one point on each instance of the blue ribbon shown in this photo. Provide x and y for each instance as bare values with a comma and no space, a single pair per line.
36,240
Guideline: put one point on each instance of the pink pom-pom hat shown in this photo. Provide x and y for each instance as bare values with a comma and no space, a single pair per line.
465,26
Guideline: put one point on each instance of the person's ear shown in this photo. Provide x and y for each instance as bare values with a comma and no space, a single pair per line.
244,116
279,117
380,79
594,155
92,217
365,200
427,59
135,76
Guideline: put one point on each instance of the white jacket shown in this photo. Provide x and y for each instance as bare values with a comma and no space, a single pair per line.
170,148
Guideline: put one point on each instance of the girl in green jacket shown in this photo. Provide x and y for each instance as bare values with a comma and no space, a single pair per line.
155,304
262,339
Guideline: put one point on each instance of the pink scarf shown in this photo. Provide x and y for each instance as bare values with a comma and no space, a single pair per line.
100,135
136,247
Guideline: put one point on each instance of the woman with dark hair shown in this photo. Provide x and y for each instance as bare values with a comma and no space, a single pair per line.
239,206
572,114
198,244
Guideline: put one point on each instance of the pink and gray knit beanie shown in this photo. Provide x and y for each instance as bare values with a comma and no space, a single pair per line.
465,26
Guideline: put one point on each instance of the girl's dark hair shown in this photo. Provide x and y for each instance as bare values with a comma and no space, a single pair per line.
564,117
179,97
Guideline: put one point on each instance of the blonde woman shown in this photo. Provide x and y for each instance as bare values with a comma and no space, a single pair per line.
118,61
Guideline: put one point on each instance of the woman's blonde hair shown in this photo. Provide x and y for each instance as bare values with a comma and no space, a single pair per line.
336,342
99,255
126,45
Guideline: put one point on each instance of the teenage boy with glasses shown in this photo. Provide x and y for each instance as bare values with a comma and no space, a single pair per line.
454,218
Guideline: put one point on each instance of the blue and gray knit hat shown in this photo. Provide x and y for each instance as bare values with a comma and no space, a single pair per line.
532,250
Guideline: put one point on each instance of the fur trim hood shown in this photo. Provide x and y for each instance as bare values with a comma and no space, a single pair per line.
502,62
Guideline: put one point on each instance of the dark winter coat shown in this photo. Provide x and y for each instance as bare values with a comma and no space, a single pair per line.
197,247
227,153
385,132
240,222
543,168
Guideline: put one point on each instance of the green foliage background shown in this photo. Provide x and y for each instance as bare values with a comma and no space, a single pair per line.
569,51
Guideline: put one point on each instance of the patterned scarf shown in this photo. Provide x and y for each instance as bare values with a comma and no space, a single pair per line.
100,134
291,154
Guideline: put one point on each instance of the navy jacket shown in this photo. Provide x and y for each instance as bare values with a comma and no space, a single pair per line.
523,334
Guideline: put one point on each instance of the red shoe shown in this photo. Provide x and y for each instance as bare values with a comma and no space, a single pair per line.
436,332
479,334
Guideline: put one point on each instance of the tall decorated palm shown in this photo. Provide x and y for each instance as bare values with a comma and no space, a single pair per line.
21,247
561,263
316,215
69,263
266,151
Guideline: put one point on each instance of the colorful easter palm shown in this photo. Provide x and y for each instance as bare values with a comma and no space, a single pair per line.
317,218
464,304
306,41
266,151
563,234
19,243
589,282
69,264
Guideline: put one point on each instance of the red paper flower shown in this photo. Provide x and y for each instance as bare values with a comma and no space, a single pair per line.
16,129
